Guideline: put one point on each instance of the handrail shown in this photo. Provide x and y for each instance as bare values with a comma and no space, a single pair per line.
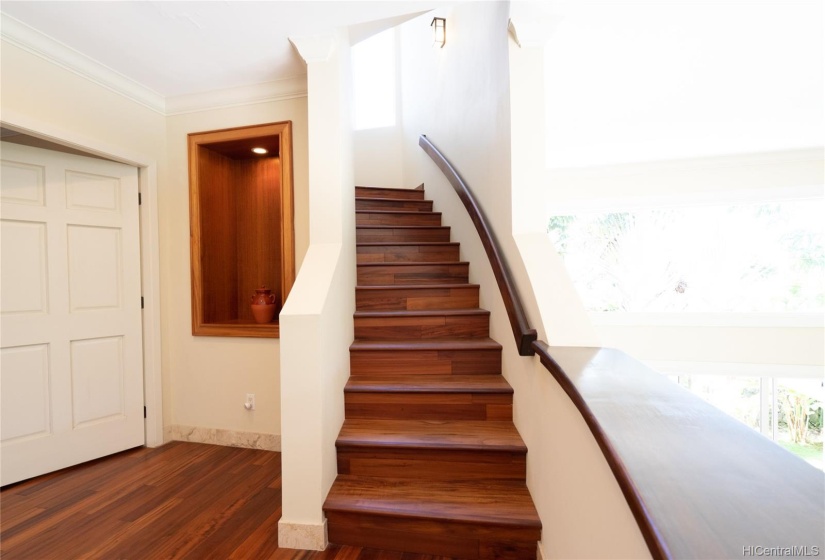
524,335
698,483
653,539
528,345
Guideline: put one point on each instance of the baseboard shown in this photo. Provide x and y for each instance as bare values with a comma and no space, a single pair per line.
540,552
303,536
217,436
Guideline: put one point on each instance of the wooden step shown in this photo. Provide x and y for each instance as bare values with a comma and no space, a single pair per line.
463,356
384,274
393,234
460,519
436,323
396,218
428,449
389,298
422,252
491,404
363,203
424,383
382,192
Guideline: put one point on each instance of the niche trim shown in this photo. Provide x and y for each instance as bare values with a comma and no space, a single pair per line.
242,232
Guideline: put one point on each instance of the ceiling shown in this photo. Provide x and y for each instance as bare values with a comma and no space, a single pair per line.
183,48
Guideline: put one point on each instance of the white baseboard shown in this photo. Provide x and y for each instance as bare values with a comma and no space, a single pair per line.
303,536
540,552
217,436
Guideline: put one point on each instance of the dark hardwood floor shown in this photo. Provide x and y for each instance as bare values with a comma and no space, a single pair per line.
182,500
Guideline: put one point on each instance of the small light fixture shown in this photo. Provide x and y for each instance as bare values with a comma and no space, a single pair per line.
259,150
439,25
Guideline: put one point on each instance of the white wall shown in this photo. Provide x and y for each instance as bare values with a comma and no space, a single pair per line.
316,322
43,91
377,158
207,378
459,96
663,80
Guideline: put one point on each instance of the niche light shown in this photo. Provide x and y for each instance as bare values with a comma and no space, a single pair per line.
260,150
439,25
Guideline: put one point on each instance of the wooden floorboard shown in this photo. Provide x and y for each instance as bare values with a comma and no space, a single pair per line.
182,500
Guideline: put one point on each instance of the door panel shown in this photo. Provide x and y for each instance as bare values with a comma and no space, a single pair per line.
71,382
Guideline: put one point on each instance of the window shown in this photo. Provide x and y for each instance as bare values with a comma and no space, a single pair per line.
745,258
788,410
373,79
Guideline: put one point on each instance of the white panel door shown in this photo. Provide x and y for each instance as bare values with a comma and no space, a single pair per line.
71,369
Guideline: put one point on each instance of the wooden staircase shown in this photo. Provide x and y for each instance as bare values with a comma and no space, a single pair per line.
429,460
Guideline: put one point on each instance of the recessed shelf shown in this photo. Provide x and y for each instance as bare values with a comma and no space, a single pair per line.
242,232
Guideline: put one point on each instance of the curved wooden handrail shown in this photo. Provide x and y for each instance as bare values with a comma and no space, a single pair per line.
653,539
524,335
699,483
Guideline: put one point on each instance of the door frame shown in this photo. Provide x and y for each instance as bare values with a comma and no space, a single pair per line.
149,251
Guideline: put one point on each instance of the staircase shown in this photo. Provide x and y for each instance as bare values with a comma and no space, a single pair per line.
429,460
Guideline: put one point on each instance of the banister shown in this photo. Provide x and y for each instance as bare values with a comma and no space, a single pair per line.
523,334
655,544
698,483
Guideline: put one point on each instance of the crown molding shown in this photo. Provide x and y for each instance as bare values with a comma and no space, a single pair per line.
276,90
33,41
41,45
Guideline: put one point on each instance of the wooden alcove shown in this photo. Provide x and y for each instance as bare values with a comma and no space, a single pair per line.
241,226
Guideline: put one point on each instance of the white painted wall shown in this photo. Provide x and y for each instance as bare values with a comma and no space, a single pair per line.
207,378
316,322
460,97
644,81
377,158
41,90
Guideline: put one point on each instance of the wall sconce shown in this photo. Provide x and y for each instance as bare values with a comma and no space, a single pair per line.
439,25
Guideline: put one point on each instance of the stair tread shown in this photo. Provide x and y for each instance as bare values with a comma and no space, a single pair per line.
380,211
420,313
416,286
498,503
427,383
388,188
432,434
406,243
385,226
389,199
415,263
427,344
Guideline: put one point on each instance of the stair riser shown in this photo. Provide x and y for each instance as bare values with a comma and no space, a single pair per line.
432,536
389,274
428,406
407,253
462,326
398,194
405,205
430,464
401,235
398,299
397,219
436,362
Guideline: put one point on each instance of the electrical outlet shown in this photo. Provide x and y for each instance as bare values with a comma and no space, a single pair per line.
250,401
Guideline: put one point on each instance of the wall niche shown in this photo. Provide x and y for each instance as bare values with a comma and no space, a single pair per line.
241,225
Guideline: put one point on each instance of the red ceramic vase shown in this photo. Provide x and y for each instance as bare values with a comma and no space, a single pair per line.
264,305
